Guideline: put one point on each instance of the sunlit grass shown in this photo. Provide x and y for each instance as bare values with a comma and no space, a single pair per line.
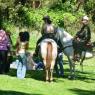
34,83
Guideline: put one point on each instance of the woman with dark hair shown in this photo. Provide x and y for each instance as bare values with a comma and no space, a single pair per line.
21,52
48,31
23,37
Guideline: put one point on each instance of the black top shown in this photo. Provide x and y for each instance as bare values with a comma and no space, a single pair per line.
84,34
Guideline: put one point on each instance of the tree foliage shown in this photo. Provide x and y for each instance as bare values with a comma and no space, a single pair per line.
62,12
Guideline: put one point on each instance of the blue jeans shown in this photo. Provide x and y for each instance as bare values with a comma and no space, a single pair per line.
22,65
40,65
59,62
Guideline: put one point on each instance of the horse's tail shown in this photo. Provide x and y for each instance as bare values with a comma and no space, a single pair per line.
49,55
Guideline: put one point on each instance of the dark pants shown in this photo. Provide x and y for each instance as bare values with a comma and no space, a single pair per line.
9,61
79,46
59,63
3,61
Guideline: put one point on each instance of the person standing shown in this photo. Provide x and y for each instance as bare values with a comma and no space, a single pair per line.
4,44
22,56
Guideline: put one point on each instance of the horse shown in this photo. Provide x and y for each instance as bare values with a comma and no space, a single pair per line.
49,55
67,43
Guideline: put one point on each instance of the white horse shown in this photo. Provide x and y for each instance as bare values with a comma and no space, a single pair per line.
66,40
67,43
49,55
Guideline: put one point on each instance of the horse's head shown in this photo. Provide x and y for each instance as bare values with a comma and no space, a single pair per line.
64,37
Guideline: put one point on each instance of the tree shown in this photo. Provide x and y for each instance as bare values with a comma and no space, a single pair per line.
79,3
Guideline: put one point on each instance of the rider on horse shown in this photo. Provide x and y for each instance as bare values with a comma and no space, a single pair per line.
82,38
48,31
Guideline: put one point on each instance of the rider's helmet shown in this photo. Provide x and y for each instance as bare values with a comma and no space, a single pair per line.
85,18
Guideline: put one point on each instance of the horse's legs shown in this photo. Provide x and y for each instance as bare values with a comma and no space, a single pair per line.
51,75
47,75
82,59
72,68
46,71
51,70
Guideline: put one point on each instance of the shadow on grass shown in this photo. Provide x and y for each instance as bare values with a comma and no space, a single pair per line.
36,74
12,72
82,92
88,77
40,75
8,92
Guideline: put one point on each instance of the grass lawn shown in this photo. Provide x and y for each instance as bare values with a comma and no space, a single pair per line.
34,83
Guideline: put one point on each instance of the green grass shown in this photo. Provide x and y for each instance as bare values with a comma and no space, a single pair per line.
34,83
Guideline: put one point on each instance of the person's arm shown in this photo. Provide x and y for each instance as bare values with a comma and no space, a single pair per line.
88,34
77,35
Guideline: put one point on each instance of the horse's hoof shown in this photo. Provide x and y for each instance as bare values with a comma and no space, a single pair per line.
51,80
46,81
